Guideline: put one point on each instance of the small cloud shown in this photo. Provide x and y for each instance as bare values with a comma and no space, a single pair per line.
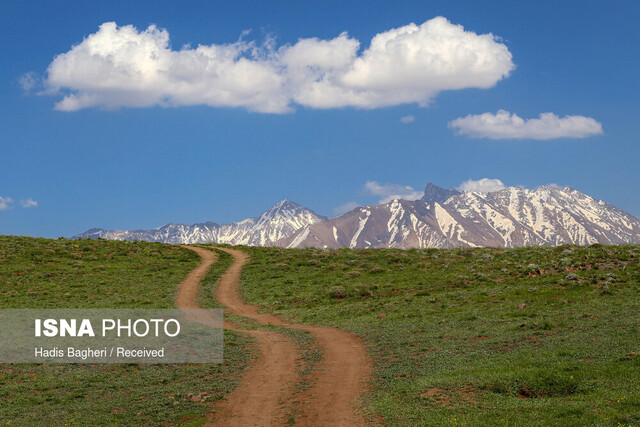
407,119
342,209
484,185
504,125
28,81
388,192
5,203
28,203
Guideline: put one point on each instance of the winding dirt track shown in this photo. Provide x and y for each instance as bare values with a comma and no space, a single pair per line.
266,393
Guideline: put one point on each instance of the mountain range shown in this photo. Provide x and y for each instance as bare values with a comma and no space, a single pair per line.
442,218
276,223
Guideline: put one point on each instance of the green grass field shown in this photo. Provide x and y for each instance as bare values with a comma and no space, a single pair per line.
530,336
42,273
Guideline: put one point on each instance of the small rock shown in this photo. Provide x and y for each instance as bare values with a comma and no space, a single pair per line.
522,306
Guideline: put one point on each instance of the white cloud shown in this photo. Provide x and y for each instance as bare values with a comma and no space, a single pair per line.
388,192
342,209
28,81
119,66
5,203
28,203
504,125
123,67
484,185
407,119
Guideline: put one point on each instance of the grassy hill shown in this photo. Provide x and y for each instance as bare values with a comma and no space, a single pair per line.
529,336
43,273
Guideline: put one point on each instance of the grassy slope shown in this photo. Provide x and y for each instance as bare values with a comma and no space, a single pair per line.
42,273
530,336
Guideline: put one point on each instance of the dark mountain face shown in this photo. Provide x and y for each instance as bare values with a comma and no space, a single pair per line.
433,193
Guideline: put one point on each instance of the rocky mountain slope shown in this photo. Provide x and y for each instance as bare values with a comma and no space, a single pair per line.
277,223
444,218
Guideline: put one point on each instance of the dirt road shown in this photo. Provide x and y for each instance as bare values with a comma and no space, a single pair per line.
266,391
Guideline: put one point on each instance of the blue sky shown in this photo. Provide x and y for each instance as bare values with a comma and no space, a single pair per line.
111,165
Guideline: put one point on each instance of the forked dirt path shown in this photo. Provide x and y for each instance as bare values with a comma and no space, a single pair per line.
188,289
266,385
340,379
266,391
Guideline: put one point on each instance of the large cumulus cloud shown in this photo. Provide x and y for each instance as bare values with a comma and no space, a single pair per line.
123,67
